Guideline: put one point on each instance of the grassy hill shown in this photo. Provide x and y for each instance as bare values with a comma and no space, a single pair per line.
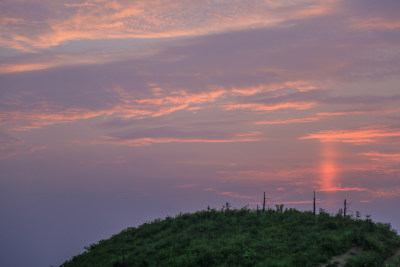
232,237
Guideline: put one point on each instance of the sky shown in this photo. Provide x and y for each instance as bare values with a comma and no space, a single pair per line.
117,112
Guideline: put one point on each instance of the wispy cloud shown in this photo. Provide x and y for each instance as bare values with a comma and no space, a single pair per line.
389,193
184,186
229,194
234,195
375,23
264,107
338,189
371,134
289,121
146,141
7,140
49,59
8,153
102,19
153,101
298,202
382,156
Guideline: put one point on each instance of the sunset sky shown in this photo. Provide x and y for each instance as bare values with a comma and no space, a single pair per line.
117,112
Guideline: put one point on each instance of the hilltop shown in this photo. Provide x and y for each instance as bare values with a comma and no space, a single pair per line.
244,237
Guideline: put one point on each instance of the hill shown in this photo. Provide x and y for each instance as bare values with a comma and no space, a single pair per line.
244,237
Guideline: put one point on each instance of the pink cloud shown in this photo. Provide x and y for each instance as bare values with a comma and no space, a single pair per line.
338,189
388,193
371,134
127,108
288,121
299,202
183,186
160,103
374,23
20,151
51,60
151,19
382,156
233,194
271,107
326,115
146,141
227,193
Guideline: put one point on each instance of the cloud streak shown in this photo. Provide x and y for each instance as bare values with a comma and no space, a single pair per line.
102,19
146,141
370,134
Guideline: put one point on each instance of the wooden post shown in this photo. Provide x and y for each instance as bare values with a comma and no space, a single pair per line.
345,208
314,203
263,209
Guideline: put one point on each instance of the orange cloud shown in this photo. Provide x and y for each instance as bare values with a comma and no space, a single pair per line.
127,108
285,175
374,23
357,112
338,189
159,103
227,193
6,68
264,107
105,19
324,115
55,60
381,168
382,156
302,85
298,120
22,121
392,192
179,101
339,113
146,141
371,134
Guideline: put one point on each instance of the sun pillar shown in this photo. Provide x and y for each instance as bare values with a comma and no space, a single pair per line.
329,170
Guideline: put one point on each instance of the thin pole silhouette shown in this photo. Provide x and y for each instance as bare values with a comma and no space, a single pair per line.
264,203
314,203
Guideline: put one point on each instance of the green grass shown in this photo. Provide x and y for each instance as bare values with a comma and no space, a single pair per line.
243,238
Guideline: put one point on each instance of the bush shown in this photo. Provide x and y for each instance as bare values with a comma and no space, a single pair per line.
242,238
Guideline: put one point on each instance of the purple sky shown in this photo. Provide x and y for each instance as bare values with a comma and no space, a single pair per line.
116,112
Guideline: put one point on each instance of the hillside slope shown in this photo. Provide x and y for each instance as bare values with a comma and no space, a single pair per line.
244,238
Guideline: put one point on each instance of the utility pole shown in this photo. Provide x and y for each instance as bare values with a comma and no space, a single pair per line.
263,209
345,208
314,203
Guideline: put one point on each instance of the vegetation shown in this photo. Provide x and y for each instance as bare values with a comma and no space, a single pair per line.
244,237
